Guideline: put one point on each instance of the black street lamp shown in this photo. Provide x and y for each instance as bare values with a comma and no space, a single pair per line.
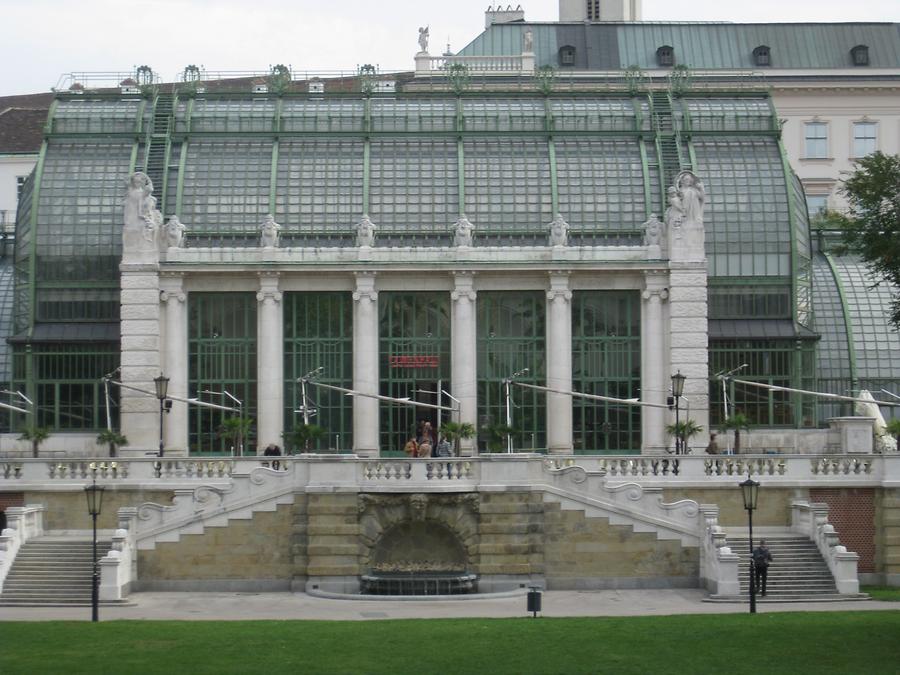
750,492
162,389
94,494
677,390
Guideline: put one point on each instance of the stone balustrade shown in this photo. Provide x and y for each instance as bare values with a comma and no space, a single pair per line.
22,523
718,564
811,520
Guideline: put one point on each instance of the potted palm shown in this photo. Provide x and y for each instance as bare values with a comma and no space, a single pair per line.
235,429
737,422
113,439
496,434
456,431
684,431
36,435
304,435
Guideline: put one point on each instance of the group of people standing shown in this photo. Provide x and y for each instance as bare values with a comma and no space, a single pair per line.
427,443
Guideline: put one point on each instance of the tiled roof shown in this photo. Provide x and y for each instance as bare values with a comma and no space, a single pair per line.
21,130
615,46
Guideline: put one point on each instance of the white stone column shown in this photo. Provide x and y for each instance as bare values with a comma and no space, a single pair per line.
365,365
559,364
654,376
140,314
464,350
269,364
175,360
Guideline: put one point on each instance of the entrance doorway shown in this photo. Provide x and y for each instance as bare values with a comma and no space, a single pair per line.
401,422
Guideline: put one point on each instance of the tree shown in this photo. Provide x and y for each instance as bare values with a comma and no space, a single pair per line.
496,435
684,430
737,422
304,434
873,231
113,439
36,435
235,429
454,431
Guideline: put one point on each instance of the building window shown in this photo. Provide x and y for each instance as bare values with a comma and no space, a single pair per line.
860,55
816,204
20,185
816,137
665,56
865,138
593,10
761,56
567,56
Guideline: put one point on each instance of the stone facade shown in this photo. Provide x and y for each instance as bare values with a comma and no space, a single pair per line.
887,527
66,511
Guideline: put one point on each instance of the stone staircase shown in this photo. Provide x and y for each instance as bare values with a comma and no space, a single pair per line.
51,571
798,572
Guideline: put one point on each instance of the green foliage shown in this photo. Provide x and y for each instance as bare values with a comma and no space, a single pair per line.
112,438
684,430
235,429
893,428
544,79
873,192
799,643
36,435
458,77
455,431
496,435
737,422
304,435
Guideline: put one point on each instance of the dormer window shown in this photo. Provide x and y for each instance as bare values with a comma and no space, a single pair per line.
860,55
665,56
762,56
567,56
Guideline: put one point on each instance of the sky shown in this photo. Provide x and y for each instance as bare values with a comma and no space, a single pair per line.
45,39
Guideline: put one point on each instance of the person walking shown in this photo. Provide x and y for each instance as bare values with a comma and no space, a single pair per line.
762,557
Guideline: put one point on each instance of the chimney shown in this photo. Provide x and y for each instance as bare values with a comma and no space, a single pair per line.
599,10
499,15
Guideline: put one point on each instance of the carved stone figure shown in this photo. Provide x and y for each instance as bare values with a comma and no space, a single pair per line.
528,42
423,39
463,230
140,233
653,237
684,217
269,232
559,231
693,197
674,216
365,232
174,232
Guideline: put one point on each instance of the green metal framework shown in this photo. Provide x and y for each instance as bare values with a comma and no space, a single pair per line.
318,333
221,356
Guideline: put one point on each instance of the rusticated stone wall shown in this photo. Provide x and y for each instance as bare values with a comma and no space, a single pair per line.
68,510
887,527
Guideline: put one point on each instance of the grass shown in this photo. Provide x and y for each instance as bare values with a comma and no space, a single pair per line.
817,642
887,593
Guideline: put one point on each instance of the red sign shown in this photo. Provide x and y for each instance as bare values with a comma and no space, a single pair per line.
415,361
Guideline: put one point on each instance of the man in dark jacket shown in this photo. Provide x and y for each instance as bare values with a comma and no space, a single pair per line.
762,556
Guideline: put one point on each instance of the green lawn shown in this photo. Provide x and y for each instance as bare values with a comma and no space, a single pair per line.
795,643
887,593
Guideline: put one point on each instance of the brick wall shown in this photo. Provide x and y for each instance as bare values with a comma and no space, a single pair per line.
852,512
8,499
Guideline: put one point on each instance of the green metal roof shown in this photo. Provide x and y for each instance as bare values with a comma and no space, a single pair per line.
614,46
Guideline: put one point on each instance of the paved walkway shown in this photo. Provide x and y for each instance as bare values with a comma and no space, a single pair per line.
249,606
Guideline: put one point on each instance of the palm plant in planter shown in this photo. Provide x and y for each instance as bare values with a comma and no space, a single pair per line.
112,438
455,431
737,422
684,430
305,435
496,434
36,435
235,429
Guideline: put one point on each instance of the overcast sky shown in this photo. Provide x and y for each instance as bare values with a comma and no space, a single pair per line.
42,39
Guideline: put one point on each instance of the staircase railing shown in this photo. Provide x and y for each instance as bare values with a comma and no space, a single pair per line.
718,563
118,568
22,523
811,520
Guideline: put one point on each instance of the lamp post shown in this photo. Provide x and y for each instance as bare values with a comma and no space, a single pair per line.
162,389
750,492
94,494
677,391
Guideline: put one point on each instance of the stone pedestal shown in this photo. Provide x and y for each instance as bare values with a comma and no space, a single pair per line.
856,433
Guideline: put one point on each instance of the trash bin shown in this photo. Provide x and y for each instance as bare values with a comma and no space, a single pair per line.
534,600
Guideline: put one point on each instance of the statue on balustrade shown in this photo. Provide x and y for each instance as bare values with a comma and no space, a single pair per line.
423,40
559,231
142,220
684,217
175,230
365,232
269,233
653,237
462,232
528,42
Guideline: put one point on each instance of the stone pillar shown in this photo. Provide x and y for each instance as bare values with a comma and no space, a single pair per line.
365,365
654,378
175,360
139,326
269,364
559,364
464,376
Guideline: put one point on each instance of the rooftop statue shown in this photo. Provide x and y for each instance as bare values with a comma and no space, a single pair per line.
653,237
269,232
365,232
462,232
559,231
174,232
693,197
528,42
684,217
423,40
142,221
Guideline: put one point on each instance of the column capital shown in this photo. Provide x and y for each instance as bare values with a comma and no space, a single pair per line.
365,287
463,286
176,295
268,295
559,287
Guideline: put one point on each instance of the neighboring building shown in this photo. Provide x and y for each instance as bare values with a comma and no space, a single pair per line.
21,132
